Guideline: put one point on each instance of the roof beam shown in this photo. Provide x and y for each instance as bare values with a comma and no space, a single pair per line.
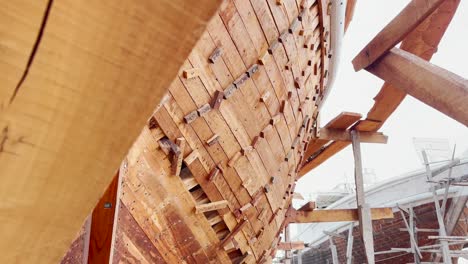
405,22
437,87
345,135
336,215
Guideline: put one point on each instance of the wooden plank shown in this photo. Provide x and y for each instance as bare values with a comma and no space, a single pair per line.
405,22
426,82
423,42
58,122
233,233
345,135
211,206
294,245
102,223
342,121
338,215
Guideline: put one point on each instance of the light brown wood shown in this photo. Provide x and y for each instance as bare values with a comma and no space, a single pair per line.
406,21
69,123
423,42
437,87
342,121
345,135
211,206
338,215
295,245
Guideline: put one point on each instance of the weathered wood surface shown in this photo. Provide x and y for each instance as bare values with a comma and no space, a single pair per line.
434,86
393,33
338,215
78,82
423,42
243,150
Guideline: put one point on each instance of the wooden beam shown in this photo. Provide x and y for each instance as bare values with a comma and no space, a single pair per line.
345,135
349,13
437,87
295,245
364,211
405,22
337,215
73,105
211,206
423,42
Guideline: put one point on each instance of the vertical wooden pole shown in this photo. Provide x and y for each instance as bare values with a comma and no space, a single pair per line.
102,225
365,220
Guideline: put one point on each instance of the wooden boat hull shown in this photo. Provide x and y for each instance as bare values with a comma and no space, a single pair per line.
232,131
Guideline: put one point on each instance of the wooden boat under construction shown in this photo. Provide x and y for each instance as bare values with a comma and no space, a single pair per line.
230,94
211,176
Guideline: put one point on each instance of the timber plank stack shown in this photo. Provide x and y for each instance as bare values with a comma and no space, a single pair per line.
211,177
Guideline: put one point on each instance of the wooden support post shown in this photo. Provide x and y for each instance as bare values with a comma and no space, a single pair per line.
407,20
365,222
440,217
345,135
434,86
349,245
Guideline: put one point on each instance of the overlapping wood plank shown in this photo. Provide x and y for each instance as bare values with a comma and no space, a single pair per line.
58,122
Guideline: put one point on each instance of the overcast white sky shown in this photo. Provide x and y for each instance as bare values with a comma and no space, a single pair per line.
354,92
